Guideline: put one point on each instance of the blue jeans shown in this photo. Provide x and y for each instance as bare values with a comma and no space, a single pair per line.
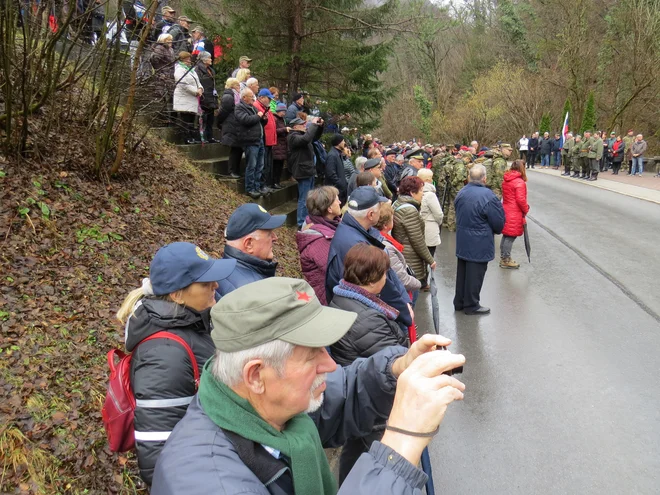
545,160
557,156
304,186
637,166
254,158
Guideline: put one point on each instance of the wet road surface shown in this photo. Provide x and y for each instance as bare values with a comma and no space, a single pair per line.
563,377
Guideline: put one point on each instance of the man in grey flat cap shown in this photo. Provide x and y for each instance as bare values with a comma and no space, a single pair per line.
272,398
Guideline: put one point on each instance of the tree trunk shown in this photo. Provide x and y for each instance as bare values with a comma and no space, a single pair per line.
295,45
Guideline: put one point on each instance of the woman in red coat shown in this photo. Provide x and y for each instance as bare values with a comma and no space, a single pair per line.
514,201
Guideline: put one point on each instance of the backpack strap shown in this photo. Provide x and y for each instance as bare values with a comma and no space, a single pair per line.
404,205
168,335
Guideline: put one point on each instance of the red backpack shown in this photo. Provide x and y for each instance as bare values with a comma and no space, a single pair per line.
119,406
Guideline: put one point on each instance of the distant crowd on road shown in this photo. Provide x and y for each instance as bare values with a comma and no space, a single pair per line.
585,156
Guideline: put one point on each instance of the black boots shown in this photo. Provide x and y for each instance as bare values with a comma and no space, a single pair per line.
594,176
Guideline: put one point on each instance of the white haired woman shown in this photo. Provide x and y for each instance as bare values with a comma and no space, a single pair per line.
176,298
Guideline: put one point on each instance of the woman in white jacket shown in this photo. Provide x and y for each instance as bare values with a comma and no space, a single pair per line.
187,91
430,211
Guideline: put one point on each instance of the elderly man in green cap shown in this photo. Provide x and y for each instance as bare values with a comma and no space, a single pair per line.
272,398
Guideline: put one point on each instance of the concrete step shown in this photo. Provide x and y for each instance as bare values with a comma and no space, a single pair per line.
204,151
177,135
289,209
218,166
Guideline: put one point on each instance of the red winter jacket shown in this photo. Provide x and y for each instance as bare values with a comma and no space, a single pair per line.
514,201
270,133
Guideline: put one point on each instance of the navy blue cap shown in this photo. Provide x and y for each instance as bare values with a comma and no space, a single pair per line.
266,92
250,217
180,264
365,197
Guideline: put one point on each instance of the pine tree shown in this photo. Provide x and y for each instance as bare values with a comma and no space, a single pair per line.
323,47
589,117
424,107
546,123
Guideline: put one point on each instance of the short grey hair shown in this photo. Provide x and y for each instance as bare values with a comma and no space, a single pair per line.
164,38
359,162
203,55
363,213
227,367
477,173
570,134
399,158
246,91
251,81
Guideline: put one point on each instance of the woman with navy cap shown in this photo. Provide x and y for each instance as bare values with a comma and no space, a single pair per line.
176,298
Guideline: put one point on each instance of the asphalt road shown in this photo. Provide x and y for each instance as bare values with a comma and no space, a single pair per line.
563,377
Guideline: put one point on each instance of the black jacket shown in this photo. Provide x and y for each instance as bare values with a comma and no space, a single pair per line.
334,173
300,152
545,146
533,145
249,129
371,332
209,98
161,372
227,120
279,150
248,269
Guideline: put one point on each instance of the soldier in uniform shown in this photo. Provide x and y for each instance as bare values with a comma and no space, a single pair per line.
566,152
628,140
495,163
575,156
455,175
595,154
585,166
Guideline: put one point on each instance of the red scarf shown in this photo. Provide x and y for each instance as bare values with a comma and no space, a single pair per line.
392,241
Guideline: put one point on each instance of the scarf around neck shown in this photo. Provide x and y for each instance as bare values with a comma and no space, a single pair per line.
357,293
299,441
332,224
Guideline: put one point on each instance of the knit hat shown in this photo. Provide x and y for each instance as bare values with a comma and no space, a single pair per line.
337,139
281,107
297,96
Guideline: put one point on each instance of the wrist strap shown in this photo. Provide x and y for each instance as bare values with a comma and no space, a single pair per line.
412,433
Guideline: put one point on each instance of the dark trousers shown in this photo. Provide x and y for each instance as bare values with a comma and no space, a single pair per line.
208,119
523,155
353,449
432,250
188,123
615,167
469,279
267,174
235,155
278,165
532,159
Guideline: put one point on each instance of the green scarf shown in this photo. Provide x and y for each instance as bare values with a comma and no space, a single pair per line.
299,441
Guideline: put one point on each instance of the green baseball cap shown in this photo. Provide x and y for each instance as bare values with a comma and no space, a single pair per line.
276,308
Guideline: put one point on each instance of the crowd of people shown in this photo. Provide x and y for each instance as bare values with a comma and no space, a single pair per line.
585,156
294,366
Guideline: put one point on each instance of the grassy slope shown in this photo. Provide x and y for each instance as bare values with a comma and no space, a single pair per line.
65,267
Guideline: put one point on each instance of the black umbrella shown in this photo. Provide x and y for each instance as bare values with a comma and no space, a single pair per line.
528,246
435,308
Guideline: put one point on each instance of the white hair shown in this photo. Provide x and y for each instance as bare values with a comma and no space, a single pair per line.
228,366
203,55
363,213
164,38
477,172
246,91
359,162
399,158
570,134
251,81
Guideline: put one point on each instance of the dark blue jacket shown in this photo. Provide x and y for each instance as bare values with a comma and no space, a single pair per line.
479,215
248,269
533,143
334,173
348,234
201,458
556,145
393,176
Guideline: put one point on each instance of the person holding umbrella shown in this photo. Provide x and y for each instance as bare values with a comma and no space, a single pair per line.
514,201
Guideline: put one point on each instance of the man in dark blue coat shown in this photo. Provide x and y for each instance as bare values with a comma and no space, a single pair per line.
357,225
250,235
297,105
479,215
334,167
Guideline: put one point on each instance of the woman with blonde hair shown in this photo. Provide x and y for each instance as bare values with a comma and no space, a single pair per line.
243,75
176,298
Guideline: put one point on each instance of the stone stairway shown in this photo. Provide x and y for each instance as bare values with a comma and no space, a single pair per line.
214,160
